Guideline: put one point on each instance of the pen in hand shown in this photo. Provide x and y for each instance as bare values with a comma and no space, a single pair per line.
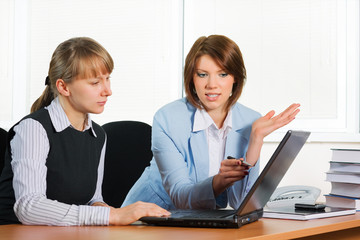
243,162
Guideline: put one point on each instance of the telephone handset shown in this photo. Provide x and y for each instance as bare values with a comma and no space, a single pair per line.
289,195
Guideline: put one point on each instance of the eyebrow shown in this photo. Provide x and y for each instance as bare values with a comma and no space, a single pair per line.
221,70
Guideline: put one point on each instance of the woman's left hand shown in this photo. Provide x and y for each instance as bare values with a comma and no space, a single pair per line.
268,123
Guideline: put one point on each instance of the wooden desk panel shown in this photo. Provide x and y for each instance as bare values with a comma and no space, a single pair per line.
262,229
289,229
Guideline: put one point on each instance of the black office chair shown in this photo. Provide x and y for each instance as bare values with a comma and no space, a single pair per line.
128,152
3,135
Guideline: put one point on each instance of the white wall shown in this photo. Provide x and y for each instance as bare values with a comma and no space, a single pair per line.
39,32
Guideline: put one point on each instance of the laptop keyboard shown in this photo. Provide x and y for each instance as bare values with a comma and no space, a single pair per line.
201,213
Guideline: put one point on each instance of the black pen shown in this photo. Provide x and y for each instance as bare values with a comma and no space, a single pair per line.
242,161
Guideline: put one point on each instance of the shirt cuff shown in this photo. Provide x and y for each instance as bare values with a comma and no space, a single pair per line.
93,215
222,200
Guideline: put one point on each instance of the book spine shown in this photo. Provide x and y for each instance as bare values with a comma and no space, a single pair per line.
344,177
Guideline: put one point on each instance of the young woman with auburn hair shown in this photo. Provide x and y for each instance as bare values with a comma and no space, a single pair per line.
193,137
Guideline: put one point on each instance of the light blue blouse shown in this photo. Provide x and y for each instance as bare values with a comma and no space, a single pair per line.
178,173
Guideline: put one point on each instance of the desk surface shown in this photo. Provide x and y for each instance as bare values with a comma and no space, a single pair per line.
262,229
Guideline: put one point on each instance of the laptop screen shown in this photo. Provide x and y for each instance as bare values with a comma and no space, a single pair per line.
273,172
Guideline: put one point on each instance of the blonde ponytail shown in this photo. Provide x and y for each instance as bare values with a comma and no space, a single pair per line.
44,100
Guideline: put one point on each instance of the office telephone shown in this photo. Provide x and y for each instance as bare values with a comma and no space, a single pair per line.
289,195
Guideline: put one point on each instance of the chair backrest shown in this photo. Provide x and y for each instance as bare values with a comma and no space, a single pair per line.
3,135
128,152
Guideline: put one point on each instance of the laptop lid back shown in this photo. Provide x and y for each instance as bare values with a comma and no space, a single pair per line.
273,172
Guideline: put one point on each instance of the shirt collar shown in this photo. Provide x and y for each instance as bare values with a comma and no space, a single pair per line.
202,121
228,121
59,119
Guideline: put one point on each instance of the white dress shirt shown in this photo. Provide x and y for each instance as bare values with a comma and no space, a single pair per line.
216,137
30,147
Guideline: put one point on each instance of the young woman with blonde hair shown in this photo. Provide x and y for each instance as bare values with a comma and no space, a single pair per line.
55,156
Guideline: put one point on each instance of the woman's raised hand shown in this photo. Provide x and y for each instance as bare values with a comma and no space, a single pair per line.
266,125
269,123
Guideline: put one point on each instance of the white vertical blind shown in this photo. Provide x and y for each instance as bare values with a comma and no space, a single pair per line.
294,51
6,59
143,37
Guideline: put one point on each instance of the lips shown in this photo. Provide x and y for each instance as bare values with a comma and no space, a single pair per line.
212,96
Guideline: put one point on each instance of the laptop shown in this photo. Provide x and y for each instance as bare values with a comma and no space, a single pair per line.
251,208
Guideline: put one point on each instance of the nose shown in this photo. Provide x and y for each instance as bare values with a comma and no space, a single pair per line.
107,89
211,83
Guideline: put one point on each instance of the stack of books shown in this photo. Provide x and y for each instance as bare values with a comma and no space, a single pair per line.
344,176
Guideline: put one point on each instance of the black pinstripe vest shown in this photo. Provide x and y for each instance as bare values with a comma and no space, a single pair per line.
72,166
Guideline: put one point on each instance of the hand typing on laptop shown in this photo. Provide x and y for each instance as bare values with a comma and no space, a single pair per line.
131,213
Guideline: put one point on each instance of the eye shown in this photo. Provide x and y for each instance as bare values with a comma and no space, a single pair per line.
223,75
95,83
201,75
